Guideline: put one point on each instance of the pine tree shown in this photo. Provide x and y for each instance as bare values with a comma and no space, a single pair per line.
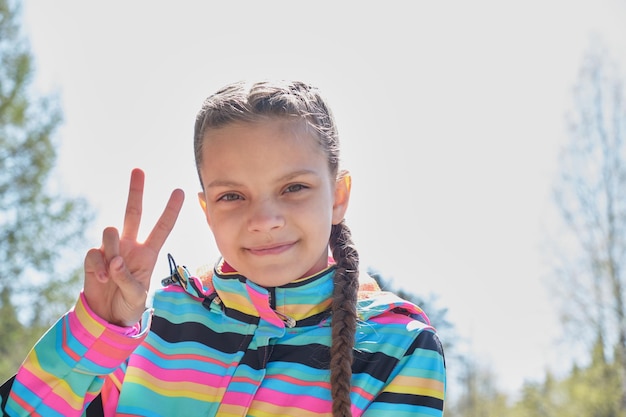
39,227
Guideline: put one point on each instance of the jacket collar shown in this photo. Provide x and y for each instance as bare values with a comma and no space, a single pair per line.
306,298
302,302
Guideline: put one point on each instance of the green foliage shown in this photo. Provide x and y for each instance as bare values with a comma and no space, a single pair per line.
437,316
592,391
587,391
590,251
481,396
39,227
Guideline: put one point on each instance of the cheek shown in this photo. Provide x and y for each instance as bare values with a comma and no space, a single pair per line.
317,221
224,239
226,227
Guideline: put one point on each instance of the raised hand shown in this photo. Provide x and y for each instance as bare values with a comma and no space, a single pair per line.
117,275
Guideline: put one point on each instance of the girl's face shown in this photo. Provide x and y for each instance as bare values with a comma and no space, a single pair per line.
270,199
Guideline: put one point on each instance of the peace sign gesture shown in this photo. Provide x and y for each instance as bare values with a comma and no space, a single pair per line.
117,275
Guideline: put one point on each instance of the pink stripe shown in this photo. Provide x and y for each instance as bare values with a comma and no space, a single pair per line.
364,394
299,382
44,391
79,332
392,319
237,398
260,300
399,319
175,375
111,349
305,402
188,356
64,345
107,348
126,331
24,405
110,398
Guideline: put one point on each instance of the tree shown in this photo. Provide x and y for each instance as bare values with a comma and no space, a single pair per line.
437,316
590,196
480,395
439,320
39,227
590,391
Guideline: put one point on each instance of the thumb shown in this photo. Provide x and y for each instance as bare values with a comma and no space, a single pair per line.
132,292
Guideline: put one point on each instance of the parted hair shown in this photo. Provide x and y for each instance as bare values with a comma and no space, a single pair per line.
251,102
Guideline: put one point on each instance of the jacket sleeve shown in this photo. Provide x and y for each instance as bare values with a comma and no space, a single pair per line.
67,368
417,385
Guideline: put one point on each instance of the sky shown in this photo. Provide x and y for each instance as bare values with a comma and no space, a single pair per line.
451,116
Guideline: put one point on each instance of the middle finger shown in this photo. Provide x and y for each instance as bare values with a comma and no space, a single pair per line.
132,216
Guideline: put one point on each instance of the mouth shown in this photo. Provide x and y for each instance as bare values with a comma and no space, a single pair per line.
273,249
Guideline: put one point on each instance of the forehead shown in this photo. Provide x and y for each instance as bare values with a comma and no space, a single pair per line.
270,145
274,132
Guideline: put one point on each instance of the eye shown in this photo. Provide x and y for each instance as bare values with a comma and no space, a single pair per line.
294,188
230,197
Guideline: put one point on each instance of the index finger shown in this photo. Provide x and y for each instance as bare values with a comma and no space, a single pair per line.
165,224
132,216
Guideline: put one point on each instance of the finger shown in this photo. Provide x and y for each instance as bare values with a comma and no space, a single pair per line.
110,243
134,293
96,265
165,224
119,273
132,216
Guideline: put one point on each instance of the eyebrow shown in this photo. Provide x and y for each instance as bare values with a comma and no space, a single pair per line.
222,183
288,177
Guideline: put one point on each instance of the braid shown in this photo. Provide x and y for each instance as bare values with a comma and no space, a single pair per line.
344,317
241,102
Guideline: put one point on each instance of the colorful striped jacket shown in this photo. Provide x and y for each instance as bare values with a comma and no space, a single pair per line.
226,348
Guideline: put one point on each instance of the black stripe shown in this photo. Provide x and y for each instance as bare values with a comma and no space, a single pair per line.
378,365
227,342
313,355
5,390
317,356
425,340
256,358
410,399
313,320
239,316
230,312
95,409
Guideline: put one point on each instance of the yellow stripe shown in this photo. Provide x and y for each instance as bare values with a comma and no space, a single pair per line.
302,311
265,409
241,303
59,386
172,388
231,410
417,386
93,327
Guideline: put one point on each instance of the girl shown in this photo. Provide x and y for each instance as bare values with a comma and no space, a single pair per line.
279,328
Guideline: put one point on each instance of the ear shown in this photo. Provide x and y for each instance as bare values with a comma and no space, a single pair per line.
203,204
342,196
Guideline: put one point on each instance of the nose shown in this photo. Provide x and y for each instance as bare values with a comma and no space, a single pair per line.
265,216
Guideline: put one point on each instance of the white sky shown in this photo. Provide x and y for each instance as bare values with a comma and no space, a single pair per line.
450,114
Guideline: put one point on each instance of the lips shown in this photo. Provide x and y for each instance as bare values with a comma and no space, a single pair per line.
273,249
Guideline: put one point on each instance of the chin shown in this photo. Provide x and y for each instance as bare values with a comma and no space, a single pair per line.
270,282
274,277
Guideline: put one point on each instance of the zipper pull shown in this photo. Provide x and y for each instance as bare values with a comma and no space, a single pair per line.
289,321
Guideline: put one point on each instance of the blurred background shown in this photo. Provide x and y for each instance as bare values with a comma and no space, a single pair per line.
485,140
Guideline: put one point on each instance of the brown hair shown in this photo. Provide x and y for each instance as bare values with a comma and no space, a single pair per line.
242,102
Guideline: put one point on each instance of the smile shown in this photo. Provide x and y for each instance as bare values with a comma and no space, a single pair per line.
271,250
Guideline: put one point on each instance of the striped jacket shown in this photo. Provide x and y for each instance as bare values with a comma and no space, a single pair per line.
229,347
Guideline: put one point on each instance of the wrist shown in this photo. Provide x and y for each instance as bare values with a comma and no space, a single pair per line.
131,329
